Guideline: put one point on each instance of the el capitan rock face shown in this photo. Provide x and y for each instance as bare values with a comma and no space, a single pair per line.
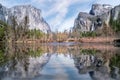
20,12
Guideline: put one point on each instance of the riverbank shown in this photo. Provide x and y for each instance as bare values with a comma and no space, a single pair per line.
81,40
97,40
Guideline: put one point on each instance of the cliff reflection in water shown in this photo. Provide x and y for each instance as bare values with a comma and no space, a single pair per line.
101,65
27,61
22,61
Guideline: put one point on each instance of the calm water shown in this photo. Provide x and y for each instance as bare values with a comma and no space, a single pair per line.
65,61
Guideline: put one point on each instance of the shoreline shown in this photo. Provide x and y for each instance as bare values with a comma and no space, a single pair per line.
109,40
81,40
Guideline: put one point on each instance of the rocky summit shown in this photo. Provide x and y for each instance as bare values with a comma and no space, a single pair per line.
98,16
20,12
98,9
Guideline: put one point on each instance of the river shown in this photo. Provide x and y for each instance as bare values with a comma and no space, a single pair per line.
59,61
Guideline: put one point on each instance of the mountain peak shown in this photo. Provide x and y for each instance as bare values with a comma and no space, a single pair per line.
99,9
100,15
36,20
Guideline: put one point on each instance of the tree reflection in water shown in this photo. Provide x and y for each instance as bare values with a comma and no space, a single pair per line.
115,66
21,61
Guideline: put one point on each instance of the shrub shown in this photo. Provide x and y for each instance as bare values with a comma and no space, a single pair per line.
88,34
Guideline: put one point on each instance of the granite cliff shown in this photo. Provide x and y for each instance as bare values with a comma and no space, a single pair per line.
98,17
20,12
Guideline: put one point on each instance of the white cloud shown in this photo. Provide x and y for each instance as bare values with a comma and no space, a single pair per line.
111,2
67,24
40,1
55,11
60,22
58,9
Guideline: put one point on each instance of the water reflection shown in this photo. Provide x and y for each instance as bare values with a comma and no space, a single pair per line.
79,61
21,61
100,66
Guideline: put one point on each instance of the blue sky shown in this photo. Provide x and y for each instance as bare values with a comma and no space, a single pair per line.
60,14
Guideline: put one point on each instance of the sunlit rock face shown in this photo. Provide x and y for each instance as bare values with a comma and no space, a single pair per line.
84,22
35,19
34,15
93,20
87,23
98,9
